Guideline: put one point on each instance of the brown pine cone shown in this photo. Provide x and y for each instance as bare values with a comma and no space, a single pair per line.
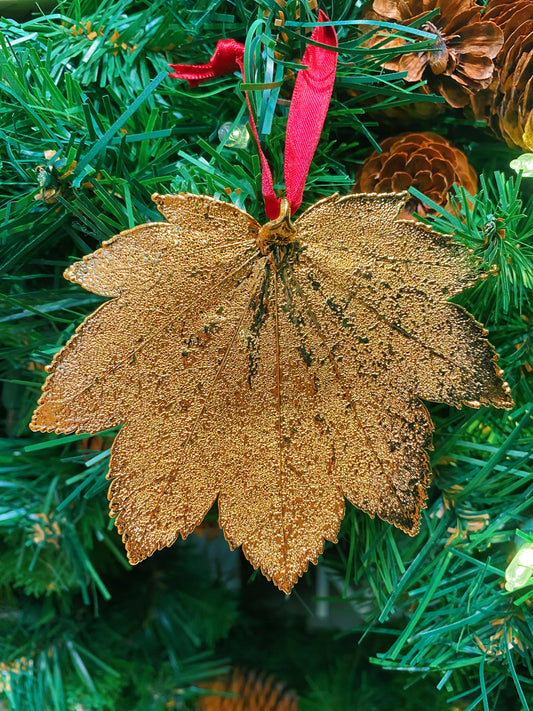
425,161
507,105
398,116
256,692
462,63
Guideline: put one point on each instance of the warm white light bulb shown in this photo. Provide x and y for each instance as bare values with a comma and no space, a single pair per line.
236,137
523,163
520,569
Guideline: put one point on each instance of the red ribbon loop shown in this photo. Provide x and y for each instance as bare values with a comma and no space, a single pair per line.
309,106
228,57
307,113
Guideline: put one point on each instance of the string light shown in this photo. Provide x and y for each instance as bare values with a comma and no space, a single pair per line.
236,137
523,163
520,569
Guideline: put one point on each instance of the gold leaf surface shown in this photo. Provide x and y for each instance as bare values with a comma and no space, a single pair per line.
278,369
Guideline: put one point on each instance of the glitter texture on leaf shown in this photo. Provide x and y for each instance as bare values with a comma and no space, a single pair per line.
279,369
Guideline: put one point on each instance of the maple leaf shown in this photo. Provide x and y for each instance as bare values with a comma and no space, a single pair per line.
278,368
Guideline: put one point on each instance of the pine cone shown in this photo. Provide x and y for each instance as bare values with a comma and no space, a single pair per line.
425,161
398,116
462,63
256,692
507,105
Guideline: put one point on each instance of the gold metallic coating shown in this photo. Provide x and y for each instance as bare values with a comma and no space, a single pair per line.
279,375
280,231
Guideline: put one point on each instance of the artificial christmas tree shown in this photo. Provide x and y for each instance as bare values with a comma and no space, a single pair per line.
80,628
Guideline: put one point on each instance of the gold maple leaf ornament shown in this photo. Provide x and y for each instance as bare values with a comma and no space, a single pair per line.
279,368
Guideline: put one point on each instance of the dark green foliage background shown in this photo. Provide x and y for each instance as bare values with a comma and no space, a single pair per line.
402,623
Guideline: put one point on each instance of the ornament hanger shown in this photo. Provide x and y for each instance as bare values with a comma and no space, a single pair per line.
308,109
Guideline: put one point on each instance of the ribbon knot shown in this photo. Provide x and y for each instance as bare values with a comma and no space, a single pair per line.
227,58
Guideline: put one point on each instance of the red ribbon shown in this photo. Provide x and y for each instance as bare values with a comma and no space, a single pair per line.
309,106
228,57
